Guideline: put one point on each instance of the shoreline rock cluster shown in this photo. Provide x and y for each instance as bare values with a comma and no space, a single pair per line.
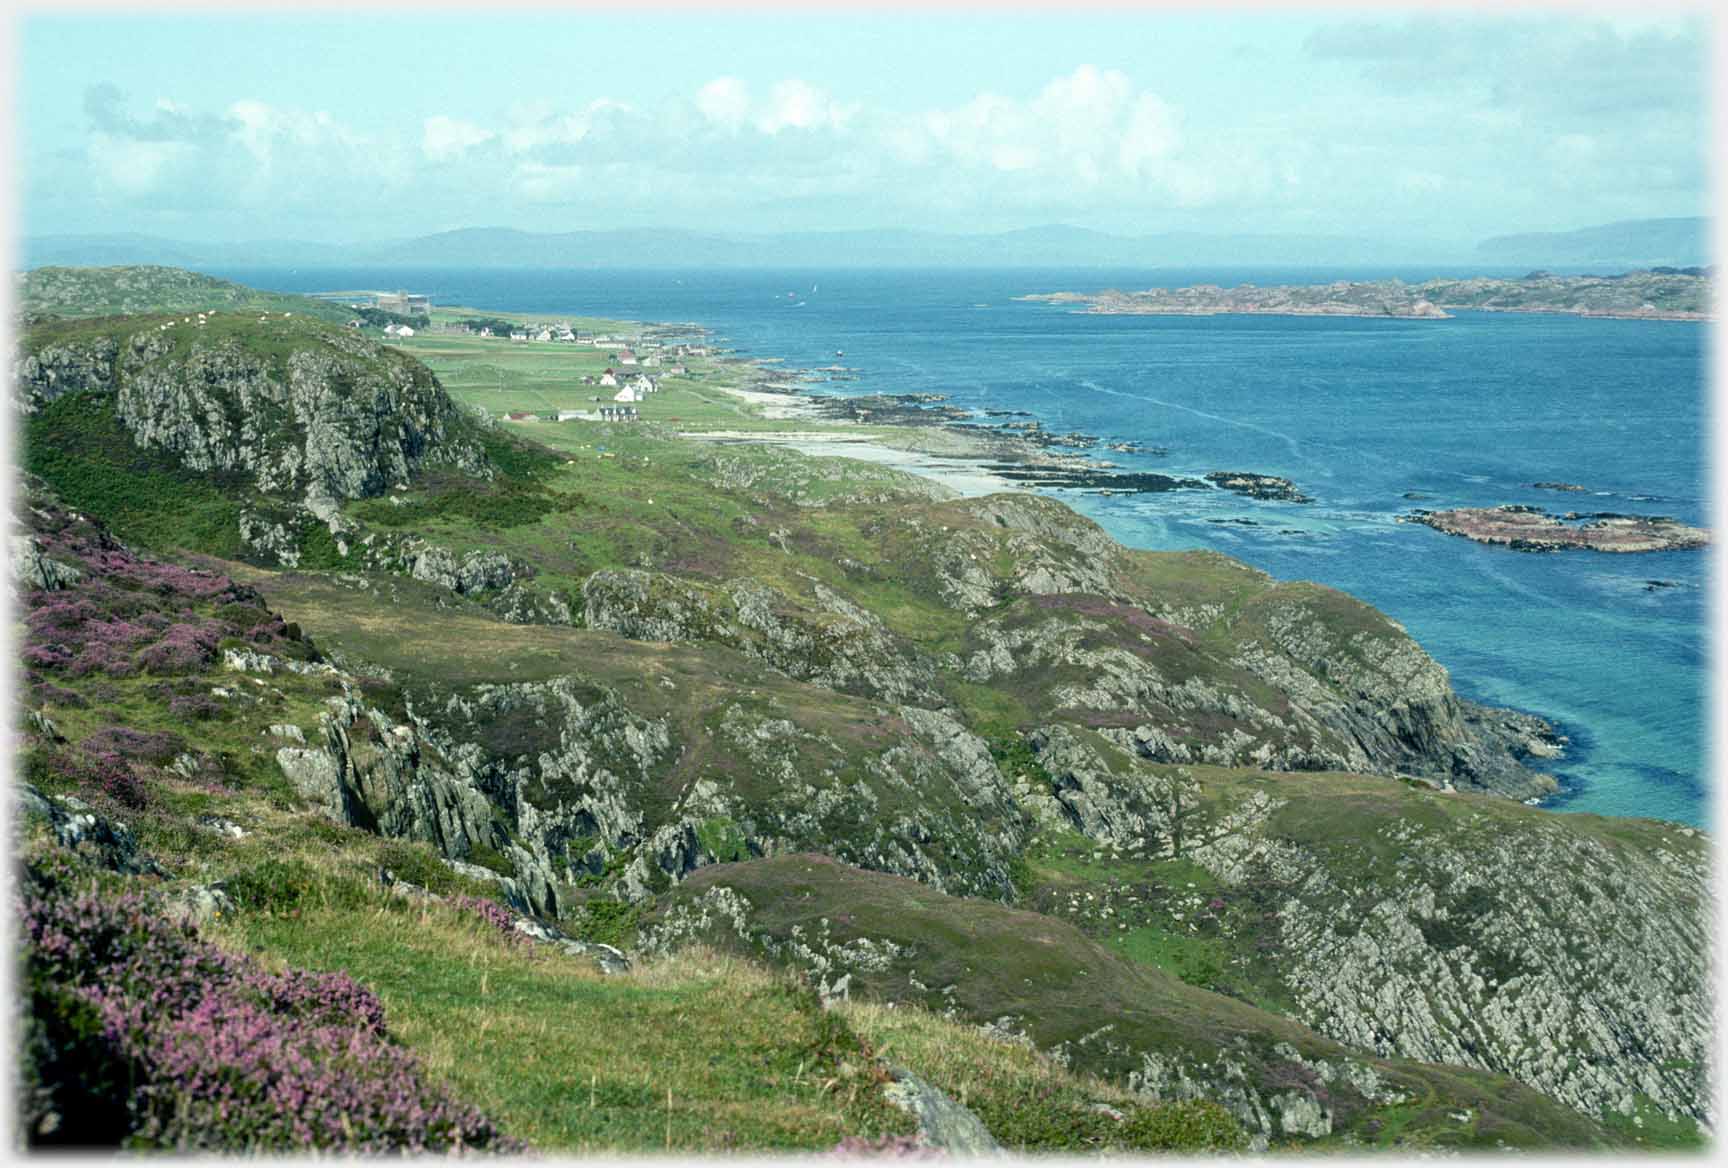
1531,529
1022,451
1655,295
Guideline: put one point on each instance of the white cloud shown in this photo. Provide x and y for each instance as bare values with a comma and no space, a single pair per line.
131,168
444,138
1088,138
725,101
801,105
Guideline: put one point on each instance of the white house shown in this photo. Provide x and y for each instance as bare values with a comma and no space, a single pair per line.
643,385
404,331
651,359
609,378
390,330
627,394
626,357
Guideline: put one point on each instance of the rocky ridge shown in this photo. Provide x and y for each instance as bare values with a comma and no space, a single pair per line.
302,410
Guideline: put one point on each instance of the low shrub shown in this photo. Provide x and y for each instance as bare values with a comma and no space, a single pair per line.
152,746
195,707
102,775
1188,1125
606,922
273,885
494,914
169,1042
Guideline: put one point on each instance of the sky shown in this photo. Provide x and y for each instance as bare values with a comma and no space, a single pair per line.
364,125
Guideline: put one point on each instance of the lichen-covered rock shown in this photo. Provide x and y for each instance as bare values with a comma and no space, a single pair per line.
822,637
942,1123
474,571
32,568
302,409
75,825
1362,676
1517,944
1133,807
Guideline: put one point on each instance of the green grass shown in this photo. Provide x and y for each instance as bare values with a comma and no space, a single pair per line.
1031,966
77,445
1029,1102
1649,1129
1197,961
88,292
699,1053
503,376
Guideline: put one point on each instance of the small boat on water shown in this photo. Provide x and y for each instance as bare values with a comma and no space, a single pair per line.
839,352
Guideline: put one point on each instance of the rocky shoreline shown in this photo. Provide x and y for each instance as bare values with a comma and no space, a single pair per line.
1656,295
1258,486
1015,448
1531,529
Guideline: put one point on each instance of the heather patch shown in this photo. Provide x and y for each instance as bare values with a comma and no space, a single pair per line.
141,745
129,614
194,707
179,1044
494,914
99,774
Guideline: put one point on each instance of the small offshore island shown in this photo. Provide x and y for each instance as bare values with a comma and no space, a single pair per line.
1531,529
1657,294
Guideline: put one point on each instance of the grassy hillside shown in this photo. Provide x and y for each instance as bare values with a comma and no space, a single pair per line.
124,291
1121,850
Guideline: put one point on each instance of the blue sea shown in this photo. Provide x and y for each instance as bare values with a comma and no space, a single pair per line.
1358,412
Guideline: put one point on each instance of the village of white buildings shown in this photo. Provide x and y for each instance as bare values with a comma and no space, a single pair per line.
635,352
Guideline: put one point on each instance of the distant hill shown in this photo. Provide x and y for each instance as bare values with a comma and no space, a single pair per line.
1636,243
1046,246
1633,243
1049,246
118,291
131,248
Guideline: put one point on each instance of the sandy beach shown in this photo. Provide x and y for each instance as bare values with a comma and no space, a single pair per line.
951,458
960,473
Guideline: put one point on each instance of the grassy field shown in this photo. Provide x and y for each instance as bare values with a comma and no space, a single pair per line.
501,376
694,1053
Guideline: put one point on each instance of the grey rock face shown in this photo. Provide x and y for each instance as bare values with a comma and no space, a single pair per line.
270,536
75,826
1051,550
474,571
59,370
1377,688
199,905
1264,1112
942,1123
822,638
1130,809
1522,947
32,569
329,415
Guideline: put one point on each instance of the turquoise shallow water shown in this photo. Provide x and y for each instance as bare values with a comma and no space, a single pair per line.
1358,412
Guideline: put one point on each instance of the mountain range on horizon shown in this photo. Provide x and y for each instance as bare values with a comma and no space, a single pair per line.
1631,243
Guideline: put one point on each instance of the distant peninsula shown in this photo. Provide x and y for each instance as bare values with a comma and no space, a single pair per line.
1656,294
1530,529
